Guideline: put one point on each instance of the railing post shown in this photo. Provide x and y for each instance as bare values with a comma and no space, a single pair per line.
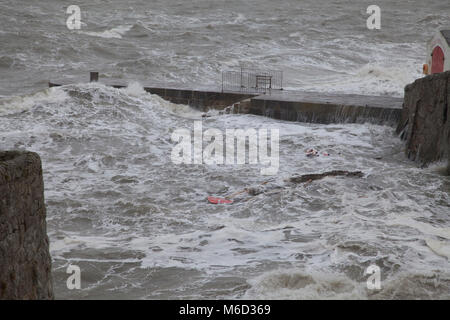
94,77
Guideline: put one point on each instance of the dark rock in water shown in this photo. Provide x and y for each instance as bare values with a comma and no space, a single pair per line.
317,176
425,123
25,263
255,191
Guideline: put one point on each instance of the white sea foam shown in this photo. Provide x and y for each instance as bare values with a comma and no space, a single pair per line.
112,33
19,104
371,79
113,195
441,248
293,284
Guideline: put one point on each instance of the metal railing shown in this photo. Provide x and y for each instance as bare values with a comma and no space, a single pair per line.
252,80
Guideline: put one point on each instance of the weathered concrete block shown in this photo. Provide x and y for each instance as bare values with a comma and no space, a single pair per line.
25,262
425,123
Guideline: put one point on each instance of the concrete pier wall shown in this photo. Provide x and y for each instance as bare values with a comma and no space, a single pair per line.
294,106
202,100
324,112
25,263
316,107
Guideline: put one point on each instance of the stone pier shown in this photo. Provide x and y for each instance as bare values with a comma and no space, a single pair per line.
25,263
314,107
425,119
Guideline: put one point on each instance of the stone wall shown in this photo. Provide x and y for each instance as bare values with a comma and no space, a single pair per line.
25,263
425,119
324,112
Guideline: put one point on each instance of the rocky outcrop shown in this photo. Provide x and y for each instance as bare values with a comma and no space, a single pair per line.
425,120
25,263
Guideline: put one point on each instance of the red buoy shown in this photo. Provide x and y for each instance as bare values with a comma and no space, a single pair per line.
216,200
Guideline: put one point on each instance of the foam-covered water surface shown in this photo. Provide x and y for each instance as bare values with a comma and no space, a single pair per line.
139,226
320,45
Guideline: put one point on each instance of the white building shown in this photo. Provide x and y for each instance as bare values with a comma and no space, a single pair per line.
438,53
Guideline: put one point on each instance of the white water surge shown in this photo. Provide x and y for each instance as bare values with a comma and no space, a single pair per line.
140,227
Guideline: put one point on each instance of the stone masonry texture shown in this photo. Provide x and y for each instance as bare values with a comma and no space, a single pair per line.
25,262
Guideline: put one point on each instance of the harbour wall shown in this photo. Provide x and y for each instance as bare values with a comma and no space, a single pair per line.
425,120
314,107
25,263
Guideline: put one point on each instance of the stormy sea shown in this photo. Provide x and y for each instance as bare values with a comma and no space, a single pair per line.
139,226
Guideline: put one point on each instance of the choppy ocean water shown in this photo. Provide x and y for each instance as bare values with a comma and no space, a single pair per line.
140,227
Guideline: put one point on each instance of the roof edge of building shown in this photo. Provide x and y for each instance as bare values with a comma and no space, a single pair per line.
446,34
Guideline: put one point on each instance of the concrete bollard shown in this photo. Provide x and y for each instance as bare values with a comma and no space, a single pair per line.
94,77
25,262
